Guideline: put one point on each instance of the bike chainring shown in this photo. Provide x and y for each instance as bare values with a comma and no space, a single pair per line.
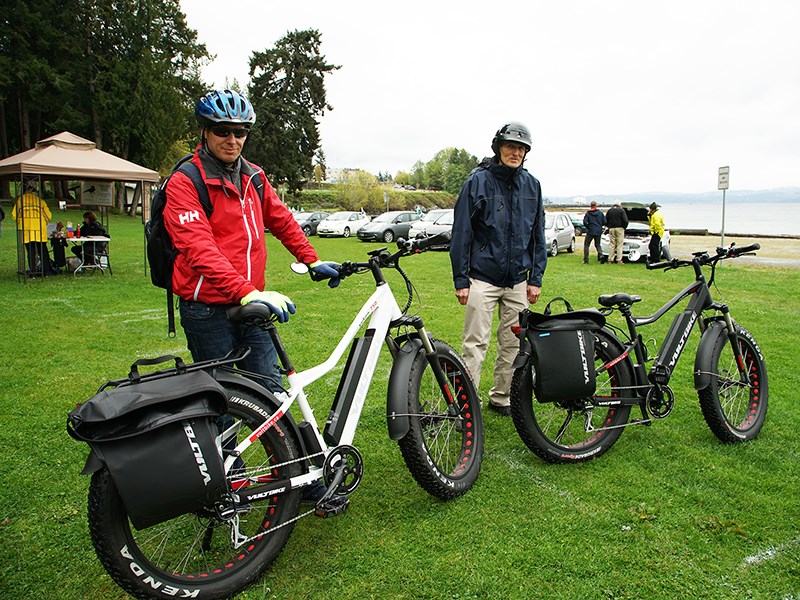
660,401
349,461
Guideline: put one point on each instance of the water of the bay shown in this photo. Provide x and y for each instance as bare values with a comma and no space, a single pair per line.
748,218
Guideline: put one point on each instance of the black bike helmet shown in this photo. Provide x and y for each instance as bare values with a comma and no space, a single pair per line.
224,106
513,131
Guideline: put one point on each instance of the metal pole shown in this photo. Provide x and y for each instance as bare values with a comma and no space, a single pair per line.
722,240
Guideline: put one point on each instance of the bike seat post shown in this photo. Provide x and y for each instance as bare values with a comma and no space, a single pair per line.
280,349
625,311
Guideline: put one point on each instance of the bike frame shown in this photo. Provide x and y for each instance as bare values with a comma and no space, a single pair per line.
383,313
675,339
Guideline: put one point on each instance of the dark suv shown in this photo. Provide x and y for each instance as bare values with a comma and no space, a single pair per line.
388,227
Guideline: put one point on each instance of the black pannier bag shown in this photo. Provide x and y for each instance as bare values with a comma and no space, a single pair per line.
562,351
158,436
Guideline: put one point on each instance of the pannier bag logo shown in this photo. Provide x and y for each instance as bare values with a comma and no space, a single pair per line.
198,452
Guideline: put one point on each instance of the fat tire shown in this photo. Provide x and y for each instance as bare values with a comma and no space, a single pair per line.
538,423
443,455
735,412
168,558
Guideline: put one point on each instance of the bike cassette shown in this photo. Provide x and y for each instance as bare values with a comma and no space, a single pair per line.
343,467
660,401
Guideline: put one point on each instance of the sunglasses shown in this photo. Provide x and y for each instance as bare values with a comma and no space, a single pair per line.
224,132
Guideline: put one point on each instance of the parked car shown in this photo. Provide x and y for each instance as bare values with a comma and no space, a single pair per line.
577,223
342,223
636,245
559,233
432,223
309,221
388,227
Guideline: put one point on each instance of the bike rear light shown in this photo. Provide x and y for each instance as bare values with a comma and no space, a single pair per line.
516,330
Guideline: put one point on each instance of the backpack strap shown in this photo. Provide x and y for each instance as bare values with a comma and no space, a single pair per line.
192,171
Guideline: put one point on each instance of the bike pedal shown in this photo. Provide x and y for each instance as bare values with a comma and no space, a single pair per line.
332,507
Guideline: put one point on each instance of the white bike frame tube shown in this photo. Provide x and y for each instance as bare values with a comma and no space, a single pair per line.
383,309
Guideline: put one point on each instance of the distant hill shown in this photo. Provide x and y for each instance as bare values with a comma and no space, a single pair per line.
785,194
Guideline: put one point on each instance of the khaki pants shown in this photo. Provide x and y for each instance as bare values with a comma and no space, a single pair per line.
483,298
616,236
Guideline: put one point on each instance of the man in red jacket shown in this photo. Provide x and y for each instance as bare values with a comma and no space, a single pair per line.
221,258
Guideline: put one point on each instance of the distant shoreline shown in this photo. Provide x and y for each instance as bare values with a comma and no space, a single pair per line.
705,232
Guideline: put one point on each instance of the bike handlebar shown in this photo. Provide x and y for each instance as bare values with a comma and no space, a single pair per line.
704,258
257,313
422,244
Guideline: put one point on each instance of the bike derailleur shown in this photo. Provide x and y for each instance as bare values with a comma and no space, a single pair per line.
660,401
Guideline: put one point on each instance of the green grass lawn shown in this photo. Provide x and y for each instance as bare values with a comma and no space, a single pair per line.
669,512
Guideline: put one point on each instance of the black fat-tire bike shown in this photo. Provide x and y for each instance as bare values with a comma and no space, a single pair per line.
433,412
730,374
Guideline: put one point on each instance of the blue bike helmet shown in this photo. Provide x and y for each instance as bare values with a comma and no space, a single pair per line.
512,132
224,106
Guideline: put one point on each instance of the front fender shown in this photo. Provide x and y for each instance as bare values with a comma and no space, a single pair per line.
397,391
702,360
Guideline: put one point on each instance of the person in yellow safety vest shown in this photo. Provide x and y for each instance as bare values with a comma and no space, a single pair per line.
656,220
32,214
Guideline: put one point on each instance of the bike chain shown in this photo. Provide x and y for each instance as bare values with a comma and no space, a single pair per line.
236,538
262,470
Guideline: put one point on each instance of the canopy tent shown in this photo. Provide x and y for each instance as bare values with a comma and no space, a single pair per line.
66,156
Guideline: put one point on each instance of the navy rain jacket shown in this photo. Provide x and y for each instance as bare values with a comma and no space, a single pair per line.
498,229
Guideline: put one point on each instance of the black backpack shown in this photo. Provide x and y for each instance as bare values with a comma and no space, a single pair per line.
160,250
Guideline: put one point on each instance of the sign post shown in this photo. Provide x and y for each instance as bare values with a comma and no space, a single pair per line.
722,184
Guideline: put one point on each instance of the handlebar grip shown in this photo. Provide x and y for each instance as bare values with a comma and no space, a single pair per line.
746,249
659,265
321,276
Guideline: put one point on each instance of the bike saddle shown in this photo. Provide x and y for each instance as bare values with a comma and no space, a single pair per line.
620,299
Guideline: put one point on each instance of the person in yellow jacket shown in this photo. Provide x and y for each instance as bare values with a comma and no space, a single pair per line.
32,214
656,220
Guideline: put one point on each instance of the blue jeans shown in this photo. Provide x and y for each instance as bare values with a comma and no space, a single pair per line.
210,335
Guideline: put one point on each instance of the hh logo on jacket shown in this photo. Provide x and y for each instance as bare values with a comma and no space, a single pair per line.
189,216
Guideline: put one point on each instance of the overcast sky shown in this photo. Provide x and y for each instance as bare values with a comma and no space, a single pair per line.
621,96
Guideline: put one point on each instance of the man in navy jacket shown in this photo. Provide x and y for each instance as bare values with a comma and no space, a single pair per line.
593,220
498,254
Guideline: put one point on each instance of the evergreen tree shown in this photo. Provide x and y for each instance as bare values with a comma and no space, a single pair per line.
287,90
123,73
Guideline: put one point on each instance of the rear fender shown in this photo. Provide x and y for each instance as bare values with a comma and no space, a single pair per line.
397,392
232,382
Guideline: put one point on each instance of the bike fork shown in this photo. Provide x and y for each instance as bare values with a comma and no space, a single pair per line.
737,350
441,377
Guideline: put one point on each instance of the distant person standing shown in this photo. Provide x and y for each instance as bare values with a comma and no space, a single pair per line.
616,221
656,220
593,220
